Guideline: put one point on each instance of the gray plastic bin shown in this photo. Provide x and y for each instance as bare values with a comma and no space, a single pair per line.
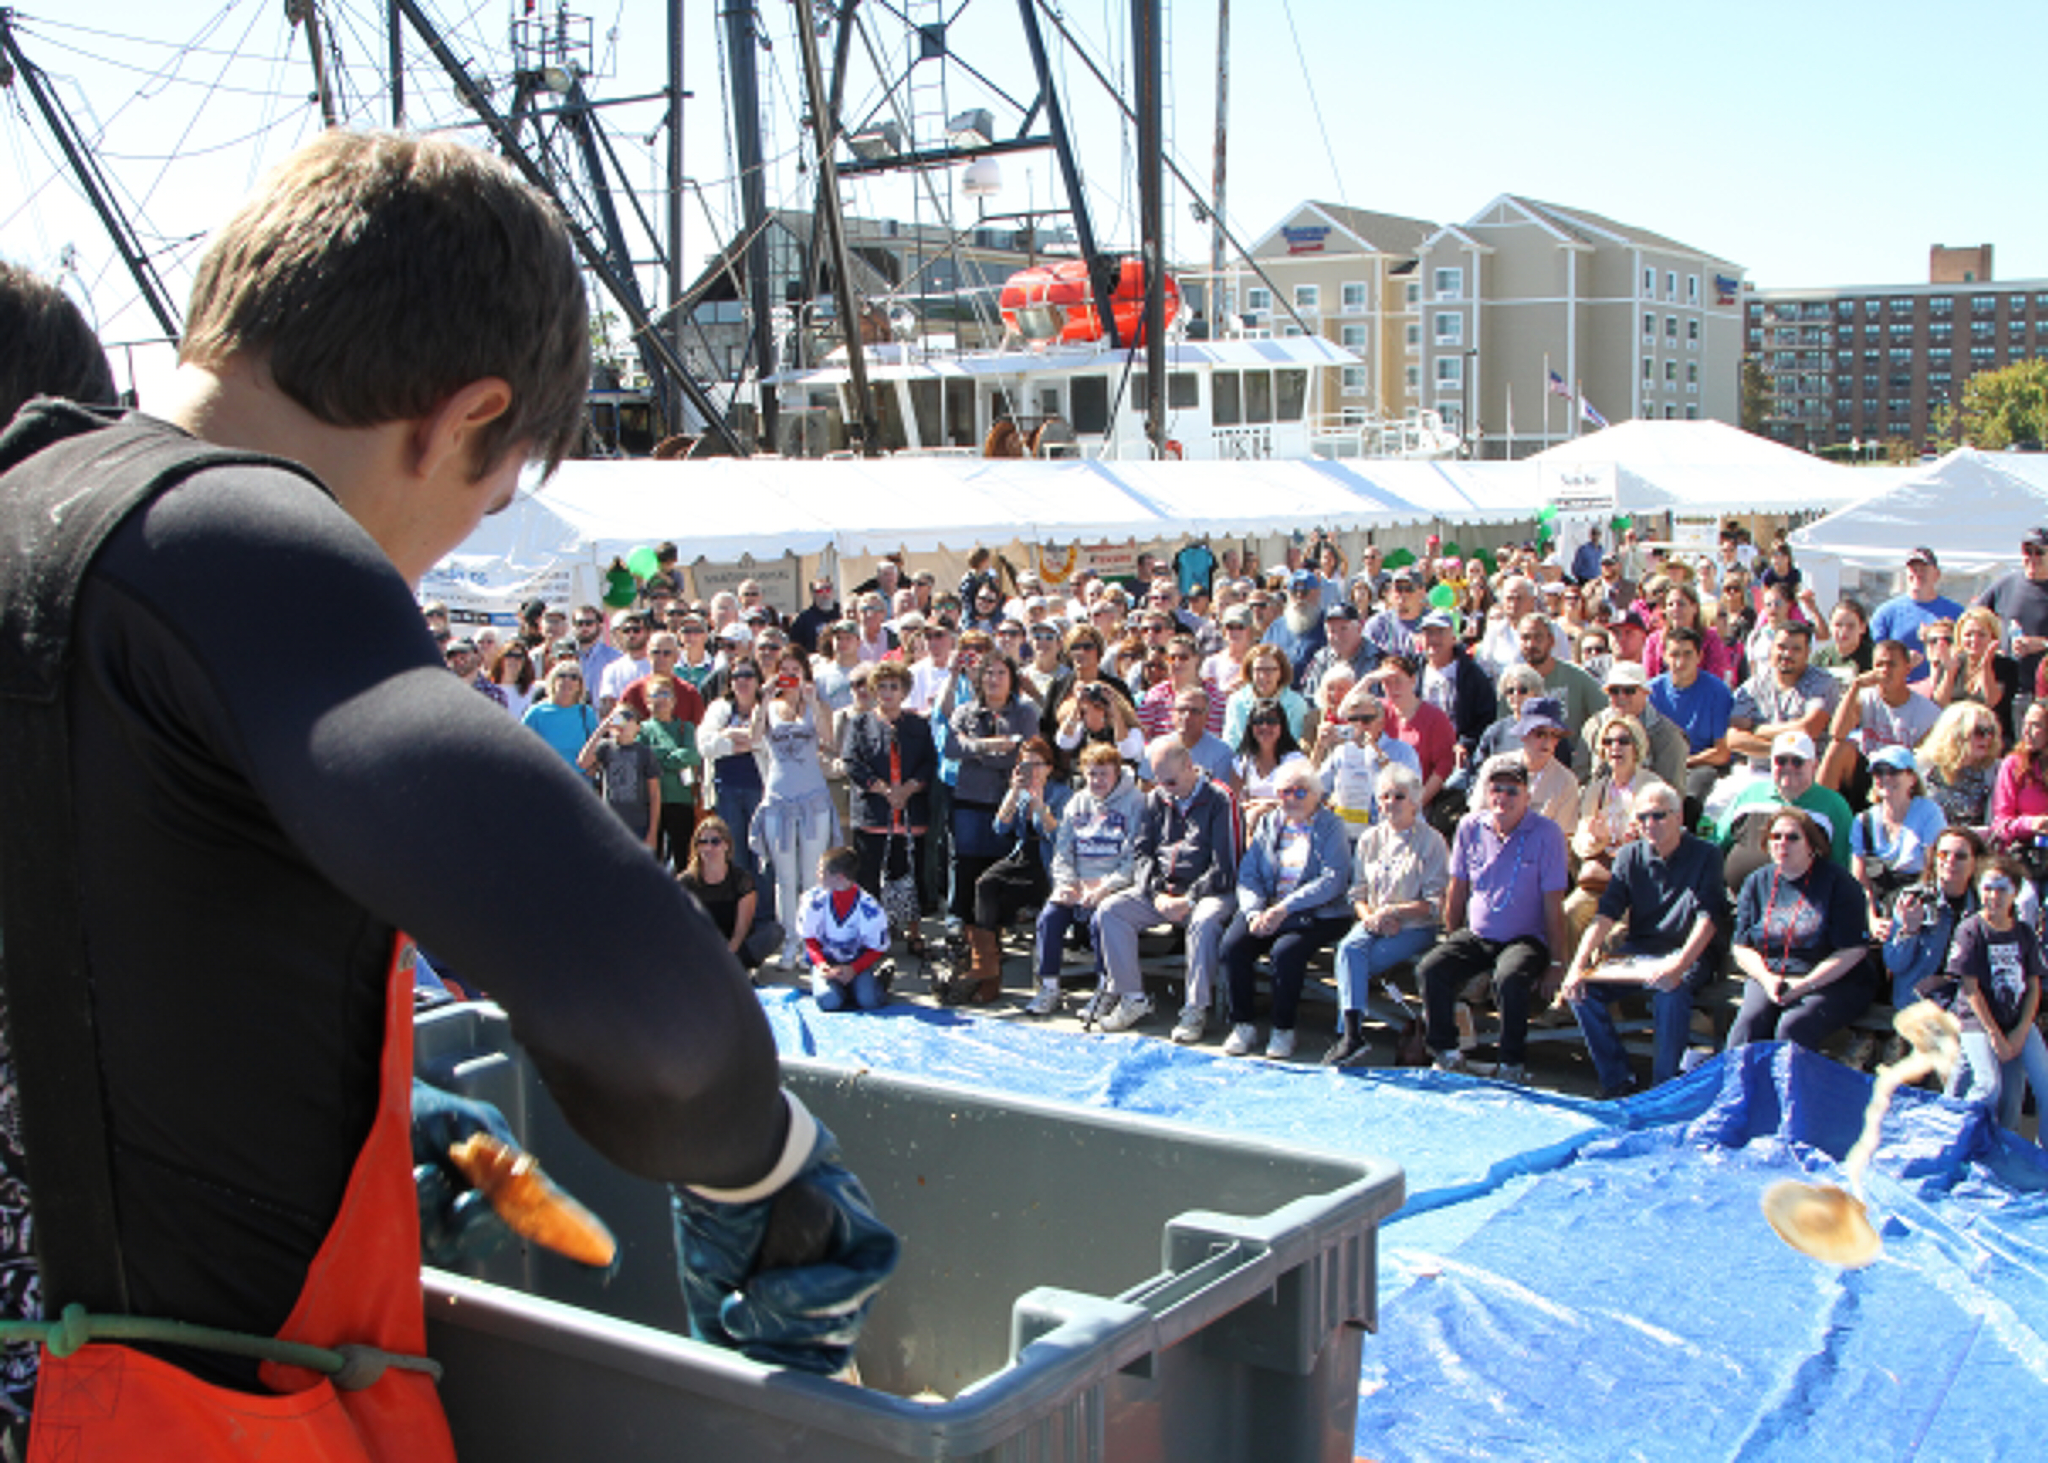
1077,1284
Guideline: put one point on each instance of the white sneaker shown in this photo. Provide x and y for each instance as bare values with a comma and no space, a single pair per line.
1451,1061
1193,1022
1281,1047
1130,1010
1243,1037
1512,1072
1047,1001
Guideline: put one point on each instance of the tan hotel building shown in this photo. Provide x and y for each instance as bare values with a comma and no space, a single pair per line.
1647,327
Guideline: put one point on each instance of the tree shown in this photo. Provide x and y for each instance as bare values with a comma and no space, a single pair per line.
2005,407
1756,395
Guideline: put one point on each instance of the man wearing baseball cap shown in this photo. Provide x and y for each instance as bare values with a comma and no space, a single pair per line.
1900,617
2021,600
1299,630
1793,765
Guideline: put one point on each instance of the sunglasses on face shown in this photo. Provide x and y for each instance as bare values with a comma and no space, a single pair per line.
1291,793
711,840
1788,761
1996,886
1786,837
1652,815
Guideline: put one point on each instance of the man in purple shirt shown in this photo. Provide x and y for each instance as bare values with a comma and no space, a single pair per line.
1505,908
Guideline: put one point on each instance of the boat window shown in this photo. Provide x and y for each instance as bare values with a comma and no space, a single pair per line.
924,400
1292,397
1089,396
1183,392
1258,397
1227,412
960,414
1049,401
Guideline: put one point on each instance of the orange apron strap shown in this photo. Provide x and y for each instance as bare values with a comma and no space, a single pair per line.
108,1402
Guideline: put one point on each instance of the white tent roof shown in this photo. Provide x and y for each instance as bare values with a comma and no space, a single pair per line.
722,508
1971,508
1709,467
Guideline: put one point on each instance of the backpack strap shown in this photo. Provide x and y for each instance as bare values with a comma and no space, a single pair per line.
60,506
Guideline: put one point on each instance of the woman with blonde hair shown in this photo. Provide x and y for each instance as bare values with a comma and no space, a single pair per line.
1966,664
1959,762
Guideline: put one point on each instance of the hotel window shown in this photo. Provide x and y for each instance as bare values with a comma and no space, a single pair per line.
1450,371
1692,334
1670,284
1308,298
1670,412
1983,304
1412,293
1692,375
1414,378
1415,337
1352,337
1450,284
1901,304
1649,329
1692,289
1354,380
1649,369
1450,328
1649,284
1692,411
1670,373
1671,328
1258,299
1354,298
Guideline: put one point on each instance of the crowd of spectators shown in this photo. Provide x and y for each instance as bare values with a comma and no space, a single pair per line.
1542,784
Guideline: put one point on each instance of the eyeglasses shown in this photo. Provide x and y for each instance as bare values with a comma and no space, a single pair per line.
1618,743
582,623
1292,792
1788,761
1785,837
1996,886
1886,771
664,650
1505,789
1983,733
710,840
570,676
1179,655
662,696
2033,551
1613,691
1393,797
1652,815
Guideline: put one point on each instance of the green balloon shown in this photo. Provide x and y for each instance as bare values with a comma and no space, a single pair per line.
1399,558
643,563
1451,551
1623,523
1547,512
1485,556
1443,596
619,588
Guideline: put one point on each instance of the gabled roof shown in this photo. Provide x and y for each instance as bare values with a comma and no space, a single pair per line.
1373,233
1589,228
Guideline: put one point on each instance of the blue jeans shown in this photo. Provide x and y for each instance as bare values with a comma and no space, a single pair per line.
1981,1077
1361,955
863,991
736,805
1054,920
1672,1012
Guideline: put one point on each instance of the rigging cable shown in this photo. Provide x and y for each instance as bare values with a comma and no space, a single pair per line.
1308,82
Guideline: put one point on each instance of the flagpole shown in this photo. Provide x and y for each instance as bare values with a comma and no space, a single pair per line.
1510,450
1546,398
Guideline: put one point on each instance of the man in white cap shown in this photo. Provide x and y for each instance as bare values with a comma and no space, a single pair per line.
1792,767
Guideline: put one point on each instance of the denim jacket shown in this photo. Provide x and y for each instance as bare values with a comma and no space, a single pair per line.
1324,890
1912,958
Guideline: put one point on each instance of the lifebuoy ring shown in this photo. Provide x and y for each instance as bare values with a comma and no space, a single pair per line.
1050,573
1173,451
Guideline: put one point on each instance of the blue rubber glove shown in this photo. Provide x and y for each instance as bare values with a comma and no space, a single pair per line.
786,1279
457,1222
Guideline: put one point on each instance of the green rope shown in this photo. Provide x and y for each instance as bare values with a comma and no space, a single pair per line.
350,1367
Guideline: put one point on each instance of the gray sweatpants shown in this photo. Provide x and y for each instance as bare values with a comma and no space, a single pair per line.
1124,915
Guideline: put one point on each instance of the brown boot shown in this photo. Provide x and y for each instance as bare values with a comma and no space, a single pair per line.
988,965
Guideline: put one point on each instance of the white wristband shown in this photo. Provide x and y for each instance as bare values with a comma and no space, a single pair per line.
796,1152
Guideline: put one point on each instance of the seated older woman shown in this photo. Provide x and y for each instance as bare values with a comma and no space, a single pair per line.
1351,757
1802,930
1291,887
1400,869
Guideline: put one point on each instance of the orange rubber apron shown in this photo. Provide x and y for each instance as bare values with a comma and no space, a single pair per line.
109,1402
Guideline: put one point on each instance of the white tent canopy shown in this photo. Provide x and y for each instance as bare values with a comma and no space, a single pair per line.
1972,508
1699,467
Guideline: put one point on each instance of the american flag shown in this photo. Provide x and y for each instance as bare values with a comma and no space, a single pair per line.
1558,388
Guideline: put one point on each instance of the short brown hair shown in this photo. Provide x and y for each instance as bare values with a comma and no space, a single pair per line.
51,351
377,275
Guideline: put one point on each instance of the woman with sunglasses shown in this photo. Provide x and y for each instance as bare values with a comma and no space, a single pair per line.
1607,812
512,673
738,766
1801,941
565,721
1959,761
1291,902
1891,841
1266,746
1400,870
1966,664
727,892
1997,958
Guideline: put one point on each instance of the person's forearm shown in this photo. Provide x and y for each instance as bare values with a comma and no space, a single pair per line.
1695,943
1752,963
1830,970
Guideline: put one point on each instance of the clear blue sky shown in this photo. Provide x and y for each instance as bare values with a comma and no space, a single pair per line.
1811,143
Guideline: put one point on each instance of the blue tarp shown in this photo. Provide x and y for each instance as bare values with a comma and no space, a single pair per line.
1591,1280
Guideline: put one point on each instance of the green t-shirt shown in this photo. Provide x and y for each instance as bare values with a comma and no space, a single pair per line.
1829,807
674,744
